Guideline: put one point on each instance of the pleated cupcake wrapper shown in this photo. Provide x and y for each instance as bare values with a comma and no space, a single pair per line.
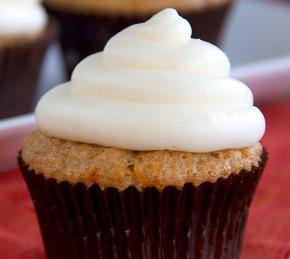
85,34
81,222
20,66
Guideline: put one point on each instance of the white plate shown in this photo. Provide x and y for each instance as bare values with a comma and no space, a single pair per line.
12,132
270,79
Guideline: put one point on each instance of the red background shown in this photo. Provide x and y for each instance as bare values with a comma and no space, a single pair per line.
268,230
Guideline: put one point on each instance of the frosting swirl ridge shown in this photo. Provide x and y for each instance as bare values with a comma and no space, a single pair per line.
154,88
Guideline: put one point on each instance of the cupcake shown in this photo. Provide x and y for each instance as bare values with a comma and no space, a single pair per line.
25,34
150,151
88,24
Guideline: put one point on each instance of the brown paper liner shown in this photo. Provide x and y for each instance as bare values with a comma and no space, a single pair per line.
80,222
20,65
83,34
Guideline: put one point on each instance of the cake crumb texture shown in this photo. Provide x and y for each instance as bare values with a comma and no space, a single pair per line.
112,167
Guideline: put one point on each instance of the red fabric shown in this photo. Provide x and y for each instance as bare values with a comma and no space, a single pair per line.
268,231
19,234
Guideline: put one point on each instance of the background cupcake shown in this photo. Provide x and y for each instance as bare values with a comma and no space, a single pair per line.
147,157
25,33
88,24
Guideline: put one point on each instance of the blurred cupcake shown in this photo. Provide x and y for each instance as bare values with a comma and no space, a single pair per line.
25,34
150,151
88,24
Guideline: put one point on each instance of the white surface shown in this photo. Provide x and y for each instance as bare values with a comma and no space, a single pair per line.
12,132
268,80
53,72
257,30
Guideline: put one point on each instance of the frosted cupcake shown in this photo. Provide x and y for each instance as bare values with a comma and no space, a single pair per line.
150,151
88,24
25,33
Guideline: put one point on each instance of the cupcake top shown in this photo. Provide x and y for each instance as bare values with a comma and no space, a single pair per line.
21,18
154,88
76,162
133,7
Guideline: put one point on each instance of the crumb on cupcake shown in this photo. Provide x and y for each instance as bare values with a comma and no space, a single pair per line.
112,167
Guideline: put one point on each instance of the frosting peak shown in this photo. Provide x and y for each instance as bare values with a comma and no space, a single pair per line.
154,88
21,17
164,26
164,42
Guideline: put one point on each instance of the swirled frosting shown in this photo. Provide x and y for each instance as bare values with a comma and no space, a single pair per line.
154,88
21,17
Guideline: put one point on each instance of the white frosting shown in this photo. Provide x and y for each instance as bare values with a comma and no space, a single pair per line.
154,88
21,17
